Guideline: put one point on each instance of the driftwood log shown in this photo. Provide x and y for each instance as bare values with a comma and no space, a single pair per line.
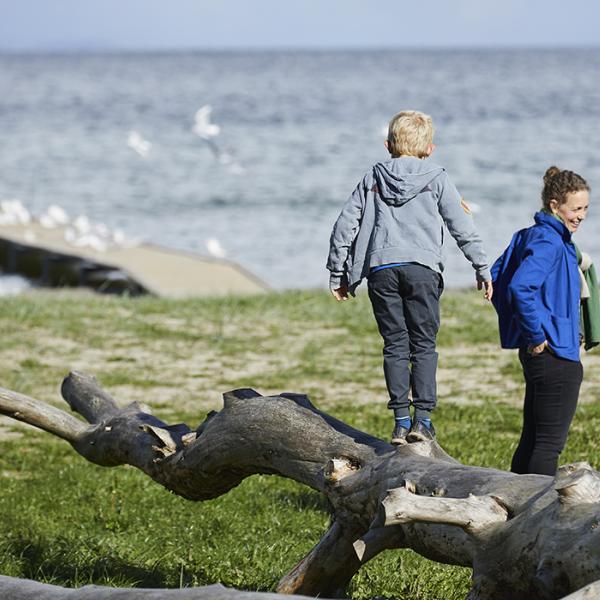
524,536
12,588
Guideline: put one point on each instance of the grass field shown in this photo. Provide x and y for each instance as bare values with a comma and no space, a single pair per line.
69,522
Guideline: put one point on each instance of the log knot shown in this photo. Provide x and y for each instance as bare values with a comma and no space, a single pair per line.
338,468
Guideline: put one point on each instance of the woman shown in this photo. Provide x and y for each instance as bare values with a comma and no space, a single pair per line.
537,293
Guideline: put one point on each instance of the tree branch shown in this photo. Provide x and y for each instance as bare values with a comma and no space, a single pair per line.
474,513
41,415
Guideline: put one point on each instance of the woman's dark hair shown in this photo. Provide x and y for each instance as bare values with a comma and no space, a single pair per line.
557,184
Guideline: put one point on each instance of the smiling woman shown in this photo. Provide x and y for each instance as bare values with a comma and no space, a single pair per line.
566,195
538,297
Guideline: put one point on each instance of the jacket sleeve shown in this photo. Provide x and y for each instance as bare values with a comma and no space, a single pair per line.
343,235
539,259
460,224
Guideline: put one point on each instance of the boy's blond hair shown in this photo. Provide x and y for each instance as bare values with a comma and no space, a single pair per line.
410,133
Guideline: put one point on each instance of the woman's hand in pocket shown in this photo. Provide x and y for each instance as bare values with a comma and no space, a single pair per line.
538,349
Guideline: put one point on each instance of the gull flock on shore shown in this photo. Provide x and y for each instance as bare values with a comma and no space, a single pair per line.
79,232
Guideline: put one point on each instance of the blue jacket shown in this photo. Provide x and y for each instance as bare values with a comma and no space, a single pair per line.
537,289
397,214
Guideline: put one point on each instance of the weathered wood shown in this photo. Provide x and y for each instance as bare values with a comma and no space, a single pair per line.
524,536
589,592
40,415
24,589
474,513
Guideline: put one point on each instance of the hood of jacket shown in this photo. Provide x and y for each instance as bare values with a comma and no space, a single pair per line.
399,180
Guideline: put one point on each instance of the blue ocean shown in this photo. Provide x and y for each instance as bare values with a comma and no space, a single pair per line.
112,137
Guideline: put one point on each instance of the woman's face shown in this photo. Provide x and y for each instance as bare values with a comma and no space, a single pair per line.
574,210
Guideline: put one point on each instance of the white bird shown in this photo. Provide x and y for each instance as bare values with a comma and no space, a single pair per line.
138,144
22,213
203,128
118,237
91,241
206,131
48,222
7,217
13,212
214,248
82,224
55,216
58,214
101,230
70,235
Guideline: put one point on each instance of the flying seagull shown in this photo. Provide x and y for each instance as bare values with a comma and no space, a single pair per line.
138,144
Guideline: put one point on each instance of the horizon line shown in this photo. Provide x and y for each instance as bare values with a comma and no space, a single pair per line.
115,50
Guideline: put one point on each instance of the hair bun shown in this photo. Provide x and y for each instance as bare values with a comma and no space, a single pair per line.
550,173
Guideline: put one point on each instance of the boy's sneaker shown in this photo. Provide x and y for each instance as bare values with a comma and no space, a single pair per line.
420,432
399,435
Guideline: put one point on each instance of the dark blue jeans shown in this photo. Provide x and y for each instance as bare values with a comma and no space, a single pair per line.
405,303
551,392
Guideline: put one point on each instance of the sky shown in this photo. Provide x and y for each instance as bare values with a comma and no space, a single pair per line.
90,25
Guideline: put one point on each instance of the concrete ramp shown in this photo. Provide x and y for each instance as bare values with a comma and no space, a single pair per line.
43,254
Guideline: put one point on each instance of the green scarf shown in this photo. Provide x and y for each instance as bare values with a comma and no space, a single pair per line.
590,307
589,314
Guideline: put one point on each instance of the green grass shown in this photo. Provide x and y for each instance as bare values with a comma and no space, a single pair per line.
69,522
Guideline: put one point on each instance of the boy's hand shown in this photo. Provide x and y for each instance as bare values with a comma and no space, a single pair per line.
487,287
340,293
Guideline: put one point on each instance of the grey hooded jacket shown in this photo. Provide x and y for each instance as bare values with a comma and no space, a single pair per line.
397,214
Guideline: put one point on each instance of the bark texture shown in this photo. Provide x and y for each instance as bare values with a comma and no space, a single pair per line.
24,589
524,536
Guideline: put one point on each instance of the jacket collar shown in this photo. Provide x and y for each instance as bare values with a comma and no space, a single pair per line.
543,218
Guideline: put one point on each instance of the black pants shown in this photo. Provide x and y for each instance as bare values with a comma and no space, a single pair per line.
405,303
551,392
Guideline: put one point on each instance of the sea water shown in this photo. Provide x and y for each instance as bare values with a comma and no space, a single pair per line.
296,132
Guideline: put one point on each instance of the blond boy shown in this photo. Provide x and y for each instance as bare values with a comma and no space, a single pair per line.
391,231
